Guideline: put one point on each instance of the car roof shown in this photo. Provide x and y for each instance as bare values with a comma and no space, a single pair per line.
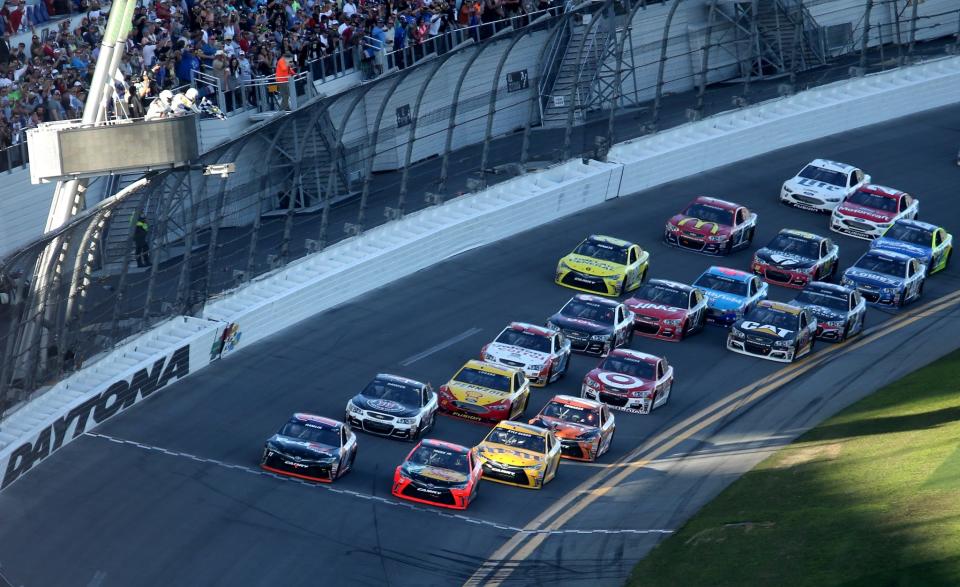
716,202
779,307
672,284
445,445
313,419
522,427
632,354
803,234
531,329
602,238
730,273
832,165
917,224
580,402
490,367
880,190
596,300
893,255
399,379
832,287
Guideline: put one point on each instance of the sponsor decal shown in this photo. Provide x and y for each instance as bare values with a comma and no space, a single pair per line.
619,380
698,224
812,183
652,306
785,259
765,328
117,397
229,340
384,405
875,277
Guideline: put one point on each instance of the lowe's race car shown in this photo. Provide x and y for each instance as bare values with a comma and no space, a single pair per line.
594,325
839,310
311,447
542,353
712,226
393,406
930,244
885,278
775,331
730,293
794,258
821,185
603,265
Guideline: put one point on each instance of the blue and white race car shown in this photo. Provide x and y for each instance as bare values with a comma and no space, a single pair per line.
730,293
885,278
929,243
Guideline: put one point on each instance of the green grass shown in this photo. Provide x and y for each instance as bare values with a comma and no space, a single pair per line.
870,497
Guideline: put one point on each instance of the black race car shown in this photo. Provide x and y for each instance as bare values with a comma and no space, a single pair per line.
775,331
311,447
794,258
839,310
393,406
593,324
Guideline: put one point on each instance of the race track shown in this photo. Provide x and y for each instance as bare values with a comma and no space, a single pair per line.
170,494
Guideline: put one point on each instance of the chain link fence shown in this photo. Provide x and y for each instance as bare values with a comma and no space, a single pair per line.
458,121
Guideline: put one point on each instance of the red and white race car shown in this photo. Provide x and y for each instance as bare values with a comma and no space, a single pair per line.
712,226
868,212
543,354
631,381
668,310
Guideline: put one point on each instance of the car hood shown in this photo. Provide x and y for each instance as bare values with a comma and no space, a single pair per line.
434,475
872,214
873,278
814,188
784,259
385,406
480,396
564,429
301,449
506,455
591,266
700,227
620,382
822,313
648,308
516,353
724,301
896,246
767,331
581,325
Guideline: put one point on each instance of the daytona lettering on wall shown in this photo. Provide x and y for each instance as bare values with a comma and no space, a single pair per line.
117,397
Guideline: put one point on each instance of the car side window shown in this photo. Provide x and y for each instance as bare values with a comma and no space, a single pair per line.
619,315
343,435
823,249
859,176
938,238
425,393
904,202
741,216
693,299
855,300
910,269
549,443
633,255
753,287
803,320
517,380
660,370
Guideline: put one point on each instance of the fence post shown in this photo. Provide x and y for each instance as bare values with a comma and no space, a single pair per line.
368,172
492,108
866,35
183,285
452,121
705,60
664,42
913,27
568,132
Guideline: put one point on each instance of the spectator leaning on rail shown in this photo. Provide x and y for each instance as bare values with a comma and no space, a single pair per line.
283,73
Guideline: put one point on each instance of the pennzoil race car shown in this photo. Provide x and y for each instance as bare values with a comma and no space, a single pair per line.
594,325
840,311
712,226
630,381
775,331
871,210
393,406
603,265
794,258
885,278
668,310
821,185
485,392
311,447
519,454
730,293
930,244
584,427
438,473
542,353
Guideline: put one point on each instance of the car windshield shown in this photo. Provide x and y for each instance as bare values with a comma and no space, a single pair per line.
432,456
875,201
795,245
402,393
603,251
588,311
722,284
910,234
517,439
709,213
494,381
884,265
575,414
629,366
772,317
825,175
659,294
311,433
527,340
824,299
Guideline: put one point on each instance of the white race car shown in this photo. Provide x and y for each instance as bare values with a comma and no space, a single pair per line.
821,185
543,354
871,210
393,406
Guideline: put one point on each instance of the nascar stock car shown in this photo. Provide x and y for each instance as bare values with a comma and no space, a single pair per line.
311,447
393,406
485,392
519,454
603,265
667,310
931,244
821,185
584,427
438,473
730,293
775,331
840,311
631,381
871,210
542,353
711,226
885,278
794,258
594,325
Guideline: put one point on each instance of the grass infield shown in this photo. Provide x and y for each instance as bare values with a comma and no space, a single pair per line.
871,497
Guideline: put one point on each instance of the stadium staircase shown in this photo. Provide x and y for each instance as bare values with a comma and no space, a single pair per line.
582,54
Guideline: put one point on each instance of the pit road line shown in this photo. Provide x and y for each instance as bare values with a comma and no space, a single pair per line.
587,492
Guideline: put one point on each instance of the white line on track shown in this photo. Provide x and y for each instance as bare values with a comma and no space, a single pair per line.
364,496
450,341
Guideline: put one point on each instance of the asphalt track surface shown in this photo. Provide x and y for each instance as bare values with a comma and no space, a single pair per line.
169,492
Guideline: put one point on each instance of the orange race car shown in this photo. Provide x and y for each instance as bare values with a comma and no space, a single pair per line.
584,427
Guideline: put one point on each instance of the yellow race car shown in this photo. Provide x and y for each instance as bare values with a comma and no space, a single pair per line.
485,392
519,454
603,265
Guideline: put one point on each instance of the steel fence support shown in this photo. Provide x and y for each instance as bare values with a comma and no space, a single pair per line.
618,77
705,60
452,121
535,98
183,284
568,132
866,35
664,42
913,26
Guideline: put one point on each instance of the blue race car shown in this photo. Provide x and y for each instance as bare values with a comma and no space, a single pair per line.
886,278
929,243
730,293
